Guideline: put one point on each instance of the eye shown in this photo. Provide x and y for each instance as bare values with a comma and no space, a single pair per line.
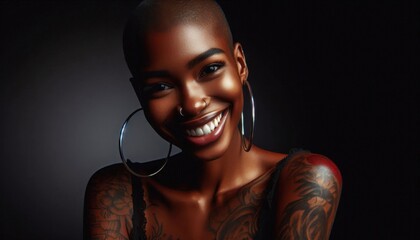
211,69
156,90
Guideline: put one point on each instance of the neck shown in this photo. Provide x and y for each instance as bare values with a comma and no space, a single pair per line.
211,177
223,173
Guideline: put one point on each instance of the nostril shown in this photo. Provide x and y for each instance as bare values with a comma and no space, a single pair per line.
193,108
199,105
206,101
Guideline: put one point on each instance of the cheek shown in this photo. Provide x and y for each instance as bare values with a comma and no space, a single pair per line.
157,113
229,89
230,85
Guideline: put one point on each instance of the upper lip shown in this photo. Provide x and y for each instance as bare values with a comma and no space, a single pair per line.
200,121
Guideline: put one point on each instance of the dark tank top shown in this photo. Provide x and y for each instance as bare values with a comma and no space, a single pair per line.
265,221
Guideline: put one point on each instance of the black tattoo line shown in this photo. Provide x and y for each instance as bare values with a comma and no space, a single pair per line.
109,215
158,233
241,219
307,217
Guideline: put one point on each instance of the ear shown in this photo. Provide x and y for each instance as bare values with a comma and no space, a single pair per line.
239,56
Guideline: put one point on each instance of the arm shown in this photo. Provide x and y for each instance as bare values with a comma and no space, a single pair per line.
108,205
307,198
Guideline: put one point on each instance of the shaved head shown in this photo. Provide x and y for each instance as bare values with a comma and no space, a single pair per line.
161,15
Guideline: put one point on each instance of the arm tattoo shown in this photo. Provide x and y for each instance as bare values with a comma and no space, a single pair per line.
110,208
318,191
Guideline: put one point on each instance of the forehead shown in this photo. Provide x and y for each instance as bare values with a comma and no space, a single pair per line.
181,43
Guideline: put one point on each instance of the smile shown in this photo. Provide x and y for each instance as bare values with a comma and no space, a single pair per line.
206,128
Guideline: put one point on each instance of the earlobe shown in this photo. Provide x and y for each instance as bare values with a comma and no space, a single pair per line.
241,62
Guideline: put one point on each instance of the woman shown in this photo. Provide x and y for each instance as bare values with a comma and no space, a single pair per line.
189,77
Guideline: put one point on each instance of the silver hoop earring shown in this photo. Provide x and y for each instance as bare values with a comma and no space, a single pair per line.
251,135
180,112
125,161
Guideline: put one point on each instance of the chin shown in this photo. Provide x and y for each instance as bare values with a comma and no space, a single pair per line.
208,154
214,151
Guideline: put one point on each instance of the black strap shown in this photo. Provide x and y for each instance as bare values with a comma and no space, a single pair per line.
139,219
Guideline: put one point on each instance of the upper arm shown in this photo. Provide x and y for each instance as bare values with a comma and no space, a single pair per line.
307,197
108,205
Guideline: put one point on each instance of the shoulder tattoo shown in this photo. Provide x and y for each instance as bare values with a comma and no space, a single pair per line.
109,207
311,215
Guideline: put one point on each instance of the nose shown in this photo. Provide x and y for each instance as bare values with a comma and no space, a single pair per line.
193,100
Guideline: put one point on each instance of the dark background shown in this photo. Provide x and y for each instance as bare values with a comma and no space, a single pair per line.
334,77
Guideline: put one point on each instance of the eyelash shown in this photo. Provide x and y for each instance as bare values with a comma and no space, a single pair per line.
158,88
155,88
218,65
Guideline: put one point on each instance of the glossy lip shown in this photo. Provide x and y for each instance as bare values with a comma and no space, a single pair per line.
211,137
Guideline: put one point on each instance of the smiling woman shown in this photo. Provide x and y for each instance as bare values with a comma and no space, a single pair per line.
190,78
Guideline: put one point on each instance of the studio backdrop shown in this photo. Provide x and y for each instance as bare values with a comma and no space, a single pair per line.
333,77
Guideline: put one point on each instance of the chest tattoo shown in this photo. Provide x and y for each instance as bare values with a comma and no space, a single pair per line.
238,219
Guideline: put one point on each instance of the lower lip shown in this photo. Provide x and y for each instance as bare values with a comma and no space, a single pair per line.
211,137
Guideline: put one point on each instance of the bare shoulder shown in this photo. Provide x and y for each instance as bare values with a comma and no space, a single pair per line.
115,173
307,197
108,204
317,164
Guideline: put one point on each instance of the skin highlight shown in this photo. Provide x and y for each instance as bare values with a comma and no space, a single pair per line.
183,59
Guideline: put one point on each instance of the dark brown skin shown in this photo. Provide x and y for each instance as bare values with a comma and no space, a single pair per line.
213,189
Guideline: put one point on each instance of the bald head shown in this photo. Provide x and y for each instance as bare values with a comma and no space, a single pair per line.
161,15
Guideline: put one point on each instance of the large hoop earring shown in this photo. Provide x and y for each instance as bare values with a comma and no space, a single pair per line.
251,134
127,161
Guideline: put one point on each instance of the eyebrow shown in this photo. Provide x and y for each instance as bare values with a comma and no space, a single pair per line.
203,56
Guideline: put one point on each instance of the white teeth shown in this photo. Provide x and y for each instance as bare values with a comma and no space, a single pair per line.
199,132
216,122
206,129
212,126
192,132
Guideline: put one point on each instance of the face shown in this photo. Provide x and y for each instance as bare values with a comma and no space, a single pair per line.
191,89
